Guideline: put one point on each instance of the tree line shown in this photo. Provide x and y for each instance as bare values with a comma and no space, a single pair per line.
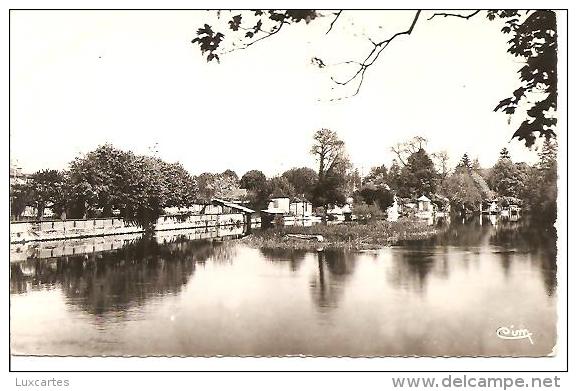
109,181
105,180
415,172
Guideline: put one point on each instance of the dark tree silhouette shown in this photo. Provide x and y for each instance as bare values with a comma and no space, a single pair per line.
303,179
253,180
329,150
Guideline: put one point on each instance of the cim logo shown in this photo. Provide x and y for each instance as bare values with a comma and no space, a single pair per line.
511,332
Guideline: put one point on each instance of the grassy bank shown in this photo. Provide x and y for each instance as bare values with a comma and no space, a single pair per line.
353,235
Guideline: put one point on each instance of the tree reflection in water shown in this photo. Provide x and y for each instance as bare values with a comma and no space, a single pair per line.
473,236
294,258
411,268
327,283
525,238
120,279
187,297
144,269
335,267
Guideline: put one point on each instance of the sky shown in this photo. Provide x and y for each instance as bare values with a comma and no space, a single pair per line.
80,79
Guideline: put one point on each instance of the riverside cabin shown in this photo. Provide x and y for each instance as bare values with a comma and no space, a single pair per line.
425,208
284,211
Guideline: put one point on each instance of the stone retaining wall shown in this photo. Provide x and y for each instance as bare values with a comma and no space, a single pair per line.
55,230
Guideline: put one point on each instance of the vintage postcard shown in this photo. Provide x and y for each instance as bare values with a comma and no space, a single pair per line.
287,183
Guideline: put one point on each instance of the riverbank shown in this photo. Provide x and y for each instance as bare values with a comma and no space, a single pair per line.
37,231
353,236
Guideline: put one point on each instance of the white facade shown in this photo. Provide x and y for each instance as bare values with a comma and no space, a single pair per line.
279,205
393,211
424,204
301,208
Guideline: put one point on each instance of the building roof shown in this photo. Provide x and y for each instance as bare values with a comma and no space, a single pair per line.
274,211
232,205
423,198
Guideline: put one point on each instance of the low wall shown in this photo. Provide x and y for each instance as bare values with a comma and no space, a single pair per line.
21,252
55,230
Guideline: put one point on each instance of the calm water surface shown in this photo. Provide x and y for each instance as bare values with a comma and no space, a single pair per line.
175,296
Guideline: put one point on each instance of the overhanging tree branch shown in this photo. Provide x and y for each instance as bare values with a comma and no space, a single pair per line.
268,34
334,20
446,14
372,57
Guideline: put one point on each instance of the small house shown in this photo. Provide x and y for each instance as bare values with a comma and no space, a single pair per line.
279,205
425,207
424,204
301,208
275,212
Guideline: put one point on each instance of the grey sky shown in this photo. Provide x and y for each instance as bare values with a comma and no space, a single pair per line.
83,78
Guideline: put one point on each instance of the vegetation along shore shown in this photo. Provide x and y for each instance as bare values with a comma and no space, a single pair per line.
353,236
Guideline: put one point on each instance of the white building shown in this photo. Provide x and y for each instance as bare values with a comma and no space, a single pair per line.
301,208
279,205
393,210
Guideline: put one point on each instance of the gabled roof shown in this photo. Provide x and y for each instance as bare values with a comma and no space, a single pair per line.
274,211
232,205
423,198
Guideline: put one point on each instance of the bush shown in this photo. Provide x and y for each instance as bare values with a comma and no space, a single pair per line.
365,212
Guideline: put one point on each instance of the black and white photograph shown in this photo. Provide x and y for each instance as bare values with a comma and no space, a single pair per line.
295,183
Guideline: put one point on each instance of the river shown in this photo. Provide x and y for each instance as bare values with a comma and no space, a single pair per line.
178,295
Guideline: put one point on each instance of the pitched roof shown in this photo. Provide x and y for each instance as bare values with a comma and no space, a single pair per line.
232,205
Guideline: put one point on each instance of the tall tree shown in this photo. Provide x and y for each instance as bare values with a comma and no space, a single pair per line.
329,150
215,185
253,180
330,190
405,149
378,176
462,191
504,154
395,178
504,177
20,198
46,189
231,174
541,190
280,187
303,179
258,188
179,186
140,187
99,180
418,176
377,195
441,161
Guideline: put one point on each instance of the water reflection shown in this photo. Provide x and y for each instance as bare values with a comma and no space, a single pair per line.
172,294
293,258
411,269
475,235
116,280
335,267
